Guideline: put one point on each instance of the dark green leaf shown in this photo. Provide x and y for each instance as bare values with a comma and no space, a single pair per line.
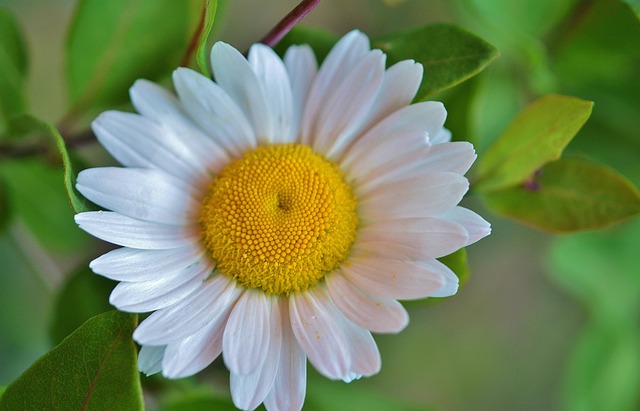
321,41
208,18
23,125
95,368
113,43
83,296
2,389
13,67
604,372
449,54
537,136
569,195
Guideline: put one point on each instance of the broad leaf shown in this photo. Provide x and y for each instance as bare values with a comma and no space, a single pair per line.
206,24
449,54
13,67
83,296
95,368
321,41
537,136
113,43
569,195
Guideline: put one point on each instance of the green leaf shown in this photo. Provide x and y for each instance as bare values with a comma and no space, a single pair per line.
25,125
457,262
83,296
569,195
2,390
95,368
13,67
321,41
604,372
449,54
537,136
113,43
635,6
208,18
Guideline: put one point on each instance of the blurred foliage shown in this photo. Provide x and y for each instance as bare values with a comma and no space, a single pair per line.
583,48
13,67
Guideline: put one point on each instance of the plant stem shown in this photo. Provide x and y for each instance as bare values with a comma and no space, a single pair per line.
282,28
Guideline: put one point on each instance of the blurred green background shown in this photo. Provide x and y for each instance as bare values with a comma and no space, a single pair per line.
545,322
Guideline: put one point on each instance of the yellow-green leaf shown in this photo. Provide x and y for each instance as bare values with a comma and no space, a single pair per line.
569,195
208,18
537,136
95,368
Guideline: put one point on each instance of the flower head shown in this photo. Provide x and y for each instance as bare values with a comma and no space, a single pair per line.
278,213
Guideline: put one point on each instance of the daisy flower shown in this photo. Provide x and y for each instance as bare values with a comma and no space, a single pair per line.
276,214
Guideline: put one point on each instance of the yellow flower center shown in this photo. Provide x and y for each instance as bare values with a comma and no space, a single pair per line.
279,218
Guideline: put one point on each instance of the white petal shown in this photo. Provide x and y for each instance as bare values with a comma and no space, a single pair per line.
418,196
129,264
441,136
130,232
340,61
161,292
248,391
399,279
136,141
214,111
302,68
400,85
391,159
234,74
144,194
346,107
315,323
425,117
451,280
456,157
150,359
246,337
188,316
195,352
289,386
375,313
412,238
160,105
476,226
365,357
274,80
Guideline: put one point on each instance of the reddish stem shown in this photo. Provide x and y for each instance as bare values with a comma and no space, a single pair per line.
286,24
